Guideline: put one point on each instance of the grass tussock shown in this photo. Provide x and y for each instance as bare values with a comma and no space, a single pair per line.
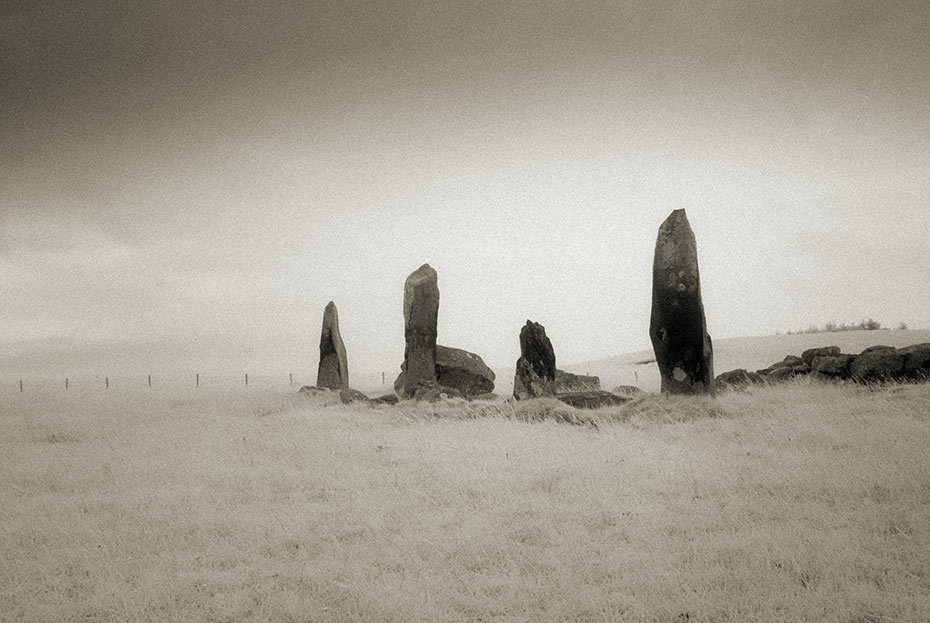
794,503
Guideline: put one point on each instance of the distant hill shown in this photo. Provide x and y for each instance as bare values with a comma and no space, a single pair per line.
751,353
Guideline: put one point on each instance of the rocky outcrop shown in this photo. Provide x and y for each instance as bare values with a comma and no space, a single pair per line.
568,382
333,371
877,363
737,378
826,351
916,361
678,330
833,366
457,369
421,313
874,364
535,375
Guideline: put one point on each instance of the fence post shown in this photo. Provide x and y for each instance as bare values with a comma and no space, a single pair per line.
198,380
107,380
382,378
291,378
66,383
150,380
246,379
20,386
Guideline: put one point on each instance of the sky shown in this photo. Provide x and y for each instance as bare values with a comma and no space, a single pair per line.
192,182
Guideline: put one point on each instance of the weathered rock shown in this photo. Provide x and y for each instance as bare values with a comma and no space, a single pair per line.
738,378
421,313
463,371
678,330
535,375
386,399
627,391
312,390
458,369
783,373
826,351
491,397
348,396
568,382
591,399
836,366
333,371
877,363
790,361
916,361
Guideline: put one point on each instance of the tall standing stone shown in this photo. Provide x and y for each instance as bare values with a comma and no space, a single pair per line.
334,368
421,314
535,374
678,329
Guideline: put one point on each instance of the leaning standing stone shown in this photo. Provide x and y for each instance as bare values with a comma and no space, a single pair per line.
678,330
421,313
535,374
333,372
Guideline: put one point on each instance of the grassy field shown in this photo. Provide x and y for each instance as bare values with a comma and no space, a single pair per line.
802,502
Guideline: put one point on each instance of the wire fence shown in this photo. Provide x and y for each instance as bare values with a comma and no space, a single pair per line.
26,383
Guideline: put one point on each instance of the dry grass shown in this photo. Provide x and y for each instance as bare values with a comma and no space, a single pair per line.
794,503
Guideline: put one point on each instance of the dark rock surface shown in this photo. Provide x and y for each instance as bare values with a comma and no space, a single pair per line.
463,371
836,366
535,375
421,313
916,361
877,363
678,330
348,396
826,351
738,378
459,370
333,371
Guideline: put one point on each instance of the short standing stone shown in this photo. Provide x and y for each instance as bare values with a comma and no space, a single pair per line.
877,363
678,330
421,313
334,369
535,374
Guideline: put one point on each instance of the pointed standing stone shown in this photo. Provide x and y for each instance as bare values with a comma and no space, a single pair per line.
678,330
421,314
333,372
535,374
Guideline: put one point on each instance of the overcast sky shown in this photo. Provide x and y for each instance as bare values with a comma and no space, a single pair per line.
214,173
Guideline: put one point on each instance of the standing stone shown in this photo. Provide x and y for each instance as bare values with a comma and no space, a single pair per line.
421,314
333,372
678,330
535,374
